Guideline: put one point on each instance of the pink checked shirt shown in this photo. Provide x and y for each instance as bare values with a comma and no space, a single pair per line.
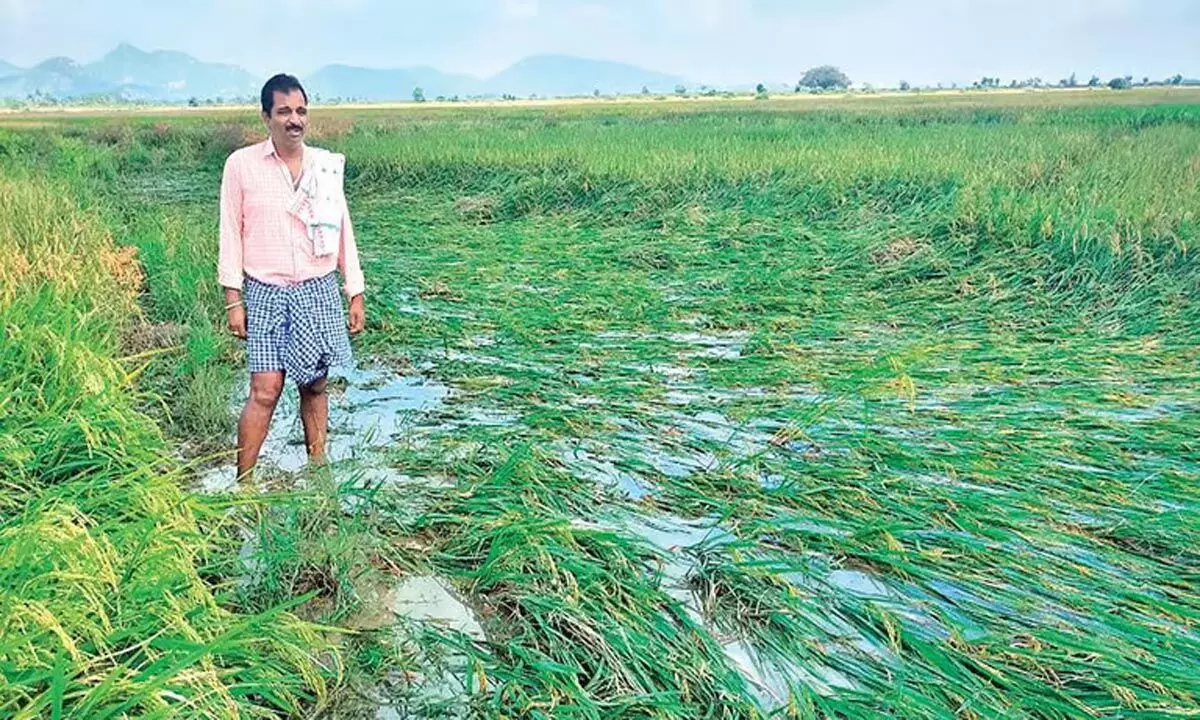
260,238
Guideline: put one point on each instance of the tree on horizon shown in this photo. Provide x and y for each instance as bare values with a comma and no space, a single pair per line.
825,77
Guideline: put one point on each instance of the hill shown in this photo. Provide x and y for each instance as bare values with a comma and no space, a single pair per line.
130,73
170,75
562,75
347,82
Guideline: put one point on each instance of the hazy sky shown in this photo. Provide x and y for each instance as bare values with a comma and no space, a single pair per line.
715,41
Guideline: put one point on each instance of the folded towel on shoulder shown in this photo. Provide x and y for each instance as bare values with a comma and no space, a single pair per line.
320,200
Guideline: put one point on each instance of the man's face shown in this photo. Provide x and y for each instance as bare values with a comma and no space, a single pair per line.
288,119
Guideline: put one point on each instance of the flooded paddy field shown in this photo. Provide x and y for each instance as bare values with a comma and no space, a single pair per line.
724,413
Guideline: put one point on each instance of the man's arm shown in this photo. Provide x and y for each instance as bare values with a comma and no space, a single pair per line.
348,257
351,272
229,260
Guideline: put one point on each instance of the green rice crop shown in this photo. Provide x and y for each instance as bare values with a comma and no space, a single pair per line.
104,607
803,408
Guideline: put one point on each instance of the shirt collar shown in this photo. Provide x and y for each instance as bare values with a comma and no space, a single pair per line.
268,149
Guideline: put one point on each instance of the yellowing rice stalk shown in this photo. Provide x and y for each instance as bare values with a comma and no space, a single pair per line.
103,610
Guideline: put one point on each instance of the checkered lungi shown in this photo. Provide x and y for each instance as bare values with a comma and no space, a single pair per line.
299,329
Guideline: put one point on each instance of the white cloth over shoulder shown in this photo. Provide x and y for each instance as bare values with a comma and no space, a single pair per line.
320,202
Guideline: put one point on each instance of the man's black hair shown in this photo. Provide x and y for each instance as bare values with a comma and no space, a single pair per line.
283,83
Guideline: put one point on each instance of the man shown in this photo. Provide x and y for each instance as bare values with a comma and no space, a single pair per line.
284,229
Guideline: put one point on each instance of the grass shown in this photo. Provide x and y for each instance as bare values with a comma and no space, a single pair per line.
106,612
905,390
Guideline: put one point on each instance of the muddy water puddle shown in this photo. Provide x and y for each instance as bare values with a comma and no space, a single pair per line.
369,409
587,461
408,604
679,545
421,598
822,588
727,346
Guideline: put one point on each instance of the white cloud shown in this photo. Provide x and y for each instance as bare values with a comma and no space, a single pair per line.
13,12
592,12
708,14
521,8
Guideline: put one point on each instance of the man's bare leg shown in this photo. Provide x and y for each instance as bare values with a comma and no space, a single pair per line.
314,414
265,388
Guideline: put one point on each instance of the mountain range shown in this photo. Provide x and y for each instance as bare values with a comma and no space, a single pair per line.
128,73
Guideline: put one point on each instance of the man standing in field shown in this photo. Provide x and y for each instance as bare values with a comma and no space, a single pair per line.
284,228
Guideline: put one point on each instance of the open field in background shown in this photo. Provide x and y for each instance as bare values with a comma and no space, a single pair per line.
886,99
813,408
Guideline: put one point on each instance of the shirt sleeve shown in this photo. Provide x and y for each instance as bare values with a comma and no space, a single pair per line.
229,261
348,257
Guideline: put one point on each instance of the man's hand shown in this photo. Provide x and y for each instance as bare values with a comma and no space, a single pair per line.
236,317
358,316
235,312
